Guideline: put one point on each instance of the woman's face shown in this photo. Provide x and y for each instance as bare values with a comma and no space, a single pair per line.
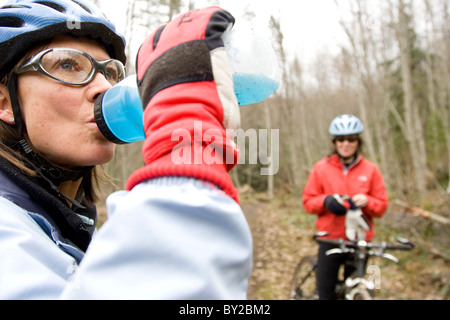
346,146
59,118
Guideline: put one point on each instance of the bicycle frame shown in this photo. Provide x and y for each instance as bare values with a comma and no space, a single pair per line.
362,250
355,286
359,287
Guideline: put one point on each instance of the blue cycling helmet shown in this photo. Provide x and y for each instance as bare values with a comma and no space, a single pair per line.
346,124
26,23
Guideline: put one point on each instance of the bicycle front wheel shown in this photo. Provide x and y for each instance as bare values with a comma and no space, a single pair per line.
303,283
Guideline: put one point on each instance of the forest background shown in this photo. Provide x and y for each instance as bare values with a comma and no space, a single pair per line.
391,69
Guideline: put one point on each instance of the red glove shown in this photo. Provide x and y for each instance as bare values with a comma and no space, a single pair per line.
187,92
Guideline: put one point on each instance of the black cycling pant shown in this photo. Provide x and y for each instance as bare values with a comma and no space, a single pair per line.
328,269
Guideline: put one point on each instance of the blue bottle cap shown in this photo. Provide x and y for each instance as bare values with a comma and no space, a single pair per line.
119,113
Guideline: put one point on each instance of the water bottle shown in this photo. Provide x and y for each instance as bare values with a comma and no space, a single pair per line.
119,113
253,63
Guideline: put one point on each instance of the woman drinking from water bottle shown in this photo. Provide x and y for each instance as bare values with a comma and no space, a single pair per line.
177,232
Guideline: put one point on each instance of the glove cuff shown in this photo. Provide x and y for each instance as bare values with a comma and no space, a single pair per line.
185,137
214,173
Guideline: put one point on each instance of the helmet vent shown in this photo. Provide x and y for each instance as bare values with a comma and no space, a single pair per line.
14,6
83,6
52,5
11,22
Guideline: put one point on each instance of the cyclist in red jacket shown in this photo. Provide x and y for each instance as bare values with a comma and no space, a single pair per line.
344,172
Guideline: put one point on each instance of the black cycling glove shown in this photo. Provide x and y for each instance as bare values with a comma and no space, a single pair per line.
335,205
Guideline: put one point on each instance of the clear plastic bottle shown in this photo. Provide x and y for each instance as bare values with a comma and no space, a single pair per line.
253,64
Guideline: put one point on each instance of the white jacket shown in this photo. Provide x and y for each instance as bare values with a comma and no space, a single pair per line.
168,238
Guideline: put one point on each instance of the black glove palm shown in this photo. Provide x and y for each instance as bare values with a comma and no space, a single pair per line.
334,205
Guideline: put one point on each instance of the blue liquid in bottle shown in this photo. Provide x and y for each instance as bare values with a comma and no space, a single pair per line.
253,88
252,61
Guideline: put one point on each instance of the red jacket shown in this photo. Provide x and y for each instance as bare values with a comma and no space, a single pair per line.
329,177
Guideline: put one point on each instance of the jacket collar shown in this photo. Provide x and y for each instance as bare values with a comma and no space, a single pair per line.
35,196
335,160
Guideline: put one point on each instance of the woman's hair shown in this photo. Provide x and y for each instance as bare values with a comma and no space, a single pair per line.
91,181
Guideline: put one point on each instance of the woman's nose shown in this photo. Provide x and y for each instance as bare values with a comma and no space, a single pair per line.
98,86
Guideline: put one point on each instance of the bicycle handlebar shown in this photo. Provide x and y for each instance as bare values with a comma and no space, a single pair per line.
361,246
404,243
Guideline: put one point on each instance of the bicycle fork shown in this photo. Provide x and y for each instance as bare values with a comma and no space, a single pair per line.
357,287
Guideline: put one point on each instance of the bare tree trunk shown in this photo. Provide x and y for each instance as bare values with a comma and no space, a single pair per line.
302,126
235,177
286,107
393,158
363,47
129,35
438,75
270,176
174,9
413,129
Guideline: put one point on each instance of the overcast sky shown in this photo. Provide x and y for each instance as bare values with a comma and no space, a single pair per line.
308,26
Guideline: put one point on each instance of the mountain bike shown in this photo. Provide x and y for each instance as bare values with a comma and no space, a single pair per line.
355,286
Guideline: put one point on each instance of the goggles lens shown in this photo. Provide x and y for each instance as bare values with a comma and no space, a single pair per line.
73,66
349,139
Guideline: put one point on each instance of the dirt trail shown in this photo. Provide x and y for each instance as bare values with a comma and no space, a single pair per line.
281,239
277,248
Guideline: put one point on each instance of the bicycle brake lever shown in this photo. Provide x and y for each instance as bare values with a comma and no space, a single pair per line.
337,250
405,242
389,257
320,234
334,251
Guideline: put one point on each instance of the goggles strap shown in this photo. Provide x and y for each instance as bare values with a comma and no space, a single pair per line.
44,168
49,171
12,88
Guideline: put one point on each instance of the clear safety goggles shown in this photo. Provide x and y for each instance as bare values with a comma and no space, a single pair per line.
71,66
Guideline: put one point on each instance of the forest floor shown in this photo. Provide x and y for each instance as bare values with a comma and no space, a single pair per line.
282,234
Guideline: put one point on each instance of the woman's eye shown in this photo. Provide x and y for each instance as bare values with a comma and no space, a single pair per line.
111,74
69,66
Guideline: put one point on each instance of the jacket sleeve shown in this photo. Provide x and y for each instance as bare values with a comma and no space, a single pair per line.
313,193
377,199
32,266
168,238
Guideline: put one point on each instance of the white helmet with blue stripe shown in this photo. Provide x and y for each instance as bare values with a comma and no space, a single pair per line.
346,124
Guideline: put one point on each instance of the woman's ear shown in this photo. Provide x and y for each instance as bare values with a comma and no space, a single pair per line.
6,113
